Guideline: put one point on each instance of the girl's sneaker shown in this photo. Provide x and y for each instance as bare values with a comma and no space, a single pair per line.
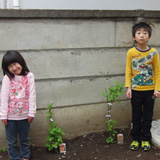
145,145
134,145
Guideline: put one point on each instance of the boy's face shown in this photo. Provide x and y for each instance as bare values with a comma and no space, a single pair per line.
141,36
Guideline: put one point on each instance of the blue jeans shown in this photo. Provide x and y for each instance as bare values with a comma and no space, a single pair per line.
20,128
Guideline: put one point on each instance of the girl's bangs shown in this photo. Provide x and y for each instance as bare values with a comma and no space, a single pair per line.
10,59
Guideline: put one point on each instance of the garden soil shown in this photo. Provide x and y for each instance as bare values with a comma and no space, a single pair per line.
93,147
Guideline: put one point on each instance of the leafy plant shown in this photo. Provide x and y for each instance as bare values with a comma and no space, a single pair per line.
112,132
54,138
112,95
3,150
114,92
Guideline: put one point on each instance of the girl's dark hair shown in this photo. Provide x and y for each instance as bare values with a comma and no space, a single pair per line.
12,57
141,25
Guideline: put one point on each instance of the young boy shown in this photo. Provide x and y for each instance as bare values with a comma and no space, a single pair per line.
142,80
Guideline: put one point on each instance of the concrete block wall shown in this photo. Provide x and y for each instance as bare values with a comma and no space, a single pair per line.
75,55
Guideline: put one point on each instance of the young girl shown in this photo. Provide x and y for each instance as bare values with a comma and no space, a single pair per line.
18,103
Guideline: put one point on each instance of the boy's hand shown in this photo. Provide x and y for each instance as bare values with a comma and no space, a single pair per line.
129,93
30,119
5,122
157,93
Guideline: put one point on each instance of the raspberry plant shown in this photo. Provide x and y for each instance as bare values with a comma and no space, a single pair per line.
54,138
112,95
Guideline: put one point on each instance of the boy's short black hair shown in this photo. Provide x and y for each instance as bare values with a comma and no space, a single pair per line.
141,25
12,57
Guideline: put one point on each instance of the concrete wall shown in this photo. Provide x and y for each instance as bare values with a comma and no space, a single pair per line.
75,55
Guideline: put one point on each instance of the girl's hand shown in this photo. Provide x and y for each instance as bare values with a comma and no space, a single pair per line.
129,93
157,93
30,119
5,122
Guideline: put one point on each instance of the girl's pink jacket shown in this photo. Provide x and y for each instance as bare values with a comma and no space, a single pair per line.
18,97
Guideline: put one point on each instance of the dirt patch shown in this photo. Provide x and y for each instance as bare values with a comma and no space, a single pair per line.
94,147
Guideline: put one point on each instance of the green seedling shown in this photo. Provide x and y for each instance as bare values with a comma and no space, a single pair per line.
3,150
54,138
112,95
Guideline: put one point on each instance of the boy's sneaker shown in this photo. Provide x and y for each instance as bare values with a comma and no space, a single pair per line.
145,145
134,145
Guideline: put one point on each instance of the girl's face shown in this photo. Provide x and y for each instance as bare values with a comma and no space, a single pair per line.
15,68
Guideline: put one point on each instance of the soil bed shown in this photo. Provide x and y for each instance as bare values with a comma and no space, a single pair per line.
94,147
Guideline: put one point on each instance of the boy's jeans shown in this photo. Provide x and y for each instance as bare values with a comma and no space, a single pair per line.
20,128
142,113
